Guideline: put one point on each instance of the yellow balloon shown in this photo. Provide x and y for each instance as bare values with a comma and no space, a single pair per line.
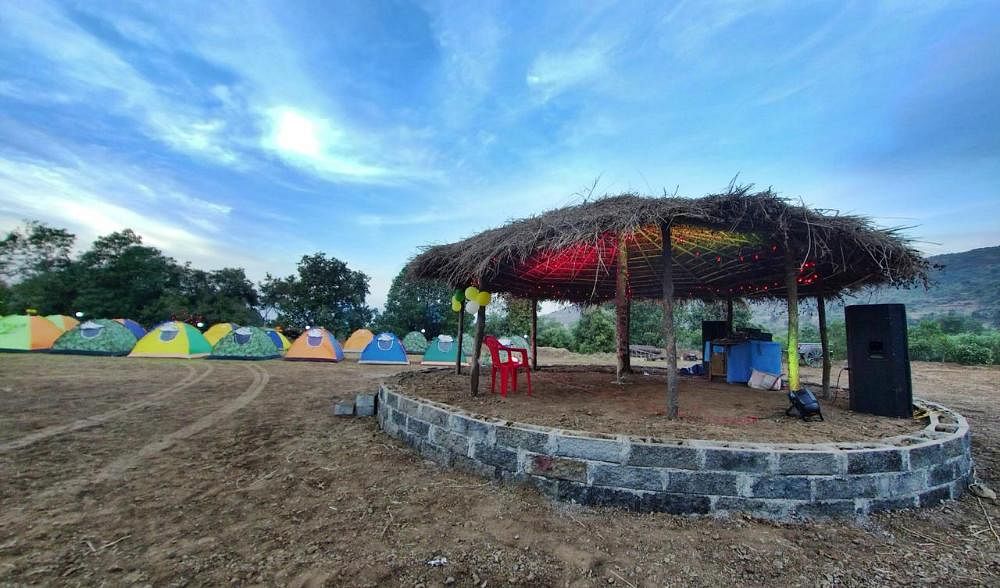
456,306
471,292
484,298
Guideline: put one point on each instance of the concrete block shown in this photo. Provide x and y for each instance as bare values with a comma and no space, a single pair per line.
925,456
825,509
343,408
399,418
473,466
433,415
472,428
769,509
883,504
848,487
517,438
590,449
418,427
712,483
409,407
787,487
391,398
555,467
874,461
664,456
364,405
450,441
500,457
934,496
621,476
941,474
808,463
736,460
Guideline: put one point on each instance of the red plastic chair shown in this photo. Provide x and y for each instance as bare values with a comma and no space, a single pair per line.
506,367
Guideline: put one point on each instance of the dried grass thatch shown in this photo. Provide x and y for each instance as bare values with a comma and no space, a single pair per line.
724,245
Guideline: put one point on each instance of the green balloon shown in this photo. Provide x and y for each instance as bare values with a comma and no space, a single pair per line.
459,294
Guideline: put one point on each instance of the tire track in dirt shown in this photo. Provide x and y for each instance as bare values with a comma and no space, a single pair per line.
118,467
191,379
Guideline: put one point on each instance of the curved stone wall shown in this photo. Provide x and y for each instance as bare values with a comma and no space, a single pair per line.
779,481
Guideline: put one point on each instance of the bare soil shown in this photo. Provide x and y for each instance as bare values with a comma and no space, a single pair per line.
589,399
128,471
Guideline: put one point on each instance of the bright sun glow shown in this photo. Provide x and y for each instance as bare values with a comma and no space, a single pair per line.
297,133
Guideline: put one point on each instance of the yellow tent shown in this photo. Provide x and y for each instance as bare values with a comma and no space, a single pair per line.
358,340
218,331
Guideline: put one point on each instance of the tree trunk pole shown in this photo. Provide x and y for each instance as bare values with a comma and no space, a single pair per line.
480,333
622,311
669,337
729,315
534,334
824,341
461,331
792,291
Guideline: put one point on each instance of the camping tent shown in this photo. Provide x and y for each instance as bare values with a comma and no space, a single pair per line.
358,340
133,326
415,342
384,348
316,344
27,333
62,321
280,340
96,337
172,339
245,343
442,350
218,331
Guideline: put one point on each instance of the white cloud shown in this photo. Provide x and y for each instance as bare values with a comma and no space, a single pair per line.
554,73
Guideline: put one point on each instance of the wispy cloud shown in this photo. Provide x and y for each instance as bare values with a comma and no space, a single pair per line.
553,73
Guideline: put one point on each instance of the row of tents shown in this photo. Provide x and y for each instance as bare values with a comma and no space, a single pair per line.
175,339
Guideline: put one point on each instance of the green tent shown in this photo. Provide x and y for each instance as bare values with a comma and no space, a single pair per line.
415,342
442,350
248,343
96,337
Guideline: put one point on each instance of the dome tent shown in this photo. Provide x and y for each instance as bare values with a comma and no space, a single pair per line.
96,337
279,339
172,339
316,344
27,333
415,342
384,348
358,340
218,331
247,343
133,326
442,350
63,321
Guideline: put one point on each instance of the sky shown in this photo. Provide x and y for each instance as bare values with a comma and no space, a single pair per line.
251,133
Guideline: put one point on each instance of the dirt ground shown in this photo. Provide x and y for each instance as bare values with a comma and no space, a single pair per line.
159,472
585,399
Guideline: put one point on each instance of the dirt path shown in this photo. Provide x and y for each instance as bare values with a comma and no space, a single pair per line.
265,487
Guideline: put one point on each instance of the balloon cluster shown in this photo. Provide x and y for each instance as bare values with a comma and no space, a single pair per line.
474,297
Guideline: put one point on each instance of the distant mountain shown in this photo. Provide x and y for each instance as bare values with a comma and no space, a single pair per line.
567,316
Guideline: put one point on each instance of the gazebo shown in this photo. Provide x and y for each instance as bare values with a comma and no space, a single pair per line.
736,245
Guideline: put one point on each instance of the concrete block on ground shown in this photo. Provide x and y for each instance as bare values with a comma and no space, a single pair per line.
343,408
735,460
662,455
626,477
364,405
555,467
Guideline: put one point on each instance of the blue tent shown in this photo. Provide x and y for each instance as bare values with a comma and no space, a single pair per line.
384,348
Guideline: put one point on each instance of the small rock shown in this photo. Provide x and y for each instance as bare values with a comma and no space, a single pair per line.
449,580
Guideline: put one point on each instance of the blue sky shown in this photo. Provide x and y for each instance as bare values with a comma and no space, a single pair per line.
249,134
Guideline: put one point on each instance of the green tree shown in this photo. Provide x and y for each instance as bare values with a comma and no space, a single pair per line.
595,332
508,316
412,305
32,249
554,334
325,292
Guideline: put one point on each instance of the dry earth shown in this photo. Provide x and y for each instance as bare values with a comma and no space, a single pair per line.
125,471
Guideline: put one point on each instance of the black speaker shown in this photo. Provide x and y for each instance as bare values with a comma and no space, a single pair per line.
879,360
711,330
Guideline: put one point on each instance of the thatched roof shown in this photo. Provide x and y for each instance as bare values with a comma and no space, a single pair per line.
723,245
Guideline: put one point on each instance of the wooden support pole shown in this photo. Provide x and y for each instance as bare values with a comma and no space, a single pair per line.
534,334
669,337
824,341
461,332
622,312
729,315
478,348
792,291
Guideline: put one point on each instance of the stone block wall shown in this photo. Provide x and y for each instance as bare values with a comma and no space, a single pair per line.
781,481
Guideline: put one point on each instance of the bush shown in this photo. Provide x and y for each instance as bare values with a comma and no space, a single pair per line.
972,354
554,334
595,333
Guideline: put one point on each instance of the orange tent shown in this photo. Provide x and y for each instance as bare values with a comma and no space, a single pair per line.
358,340
27,333
316,344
